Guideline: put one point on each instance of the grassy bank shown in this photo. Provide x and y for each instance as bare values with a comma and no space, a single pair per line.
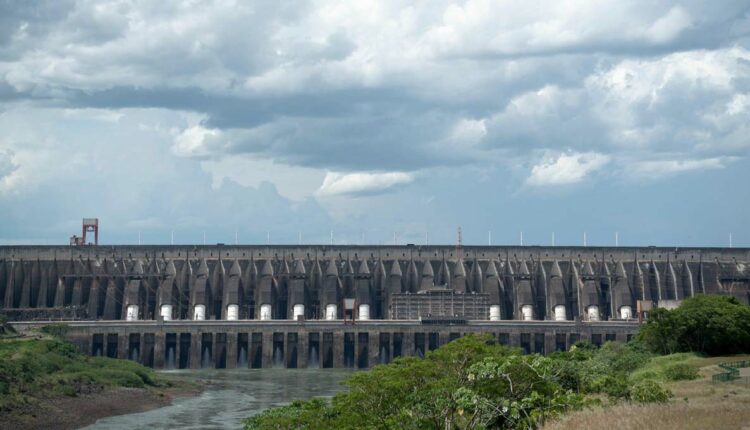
44,379
697,404
34,368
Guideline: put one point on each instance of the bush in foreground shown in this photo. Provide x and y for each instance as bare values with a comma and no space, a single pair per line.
680,372
648,391
606,370
471,384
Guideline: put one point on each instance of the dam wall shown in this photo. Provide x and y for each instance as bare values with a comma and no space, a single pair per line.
285,282
347,306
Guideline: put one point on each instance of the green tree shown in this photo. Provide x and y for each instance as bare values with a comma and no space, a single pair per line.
413,392
470,383
513,392
709,324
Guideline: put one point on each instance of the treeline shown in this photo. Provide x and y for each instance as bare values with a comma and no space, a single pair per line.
710,325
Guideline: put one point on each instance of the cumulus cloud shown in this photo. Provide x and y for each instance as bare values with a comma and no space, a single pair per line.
566,169
305,83
195,141
274,99
674,103
362,183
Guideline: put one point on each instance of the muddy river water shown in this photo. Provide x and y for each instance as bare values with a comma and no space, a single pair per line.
230,396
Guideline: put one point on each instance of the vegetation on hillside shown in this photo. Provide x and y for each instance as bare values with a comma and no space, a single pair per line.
32,368
697,403
706,324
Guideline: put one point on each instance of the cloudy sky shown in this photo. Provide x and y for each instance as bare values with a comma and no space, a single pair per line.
374,118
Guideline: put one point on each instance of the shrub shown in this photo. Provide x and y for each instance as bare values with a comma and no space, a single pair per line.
650,392
680,372
116,377
616,386
713,325
644,375
602,370
311,414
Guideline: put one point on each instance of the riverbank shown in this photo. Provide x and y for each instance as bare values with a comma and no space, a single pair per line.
228,396
61,412
46,383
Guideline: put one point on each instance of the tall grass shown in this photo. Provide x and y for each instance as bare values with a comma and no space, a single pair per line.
697,404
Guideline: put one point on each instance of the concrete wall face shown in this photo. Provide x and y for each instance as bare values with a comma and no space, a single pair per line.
313,344
233,306
208,282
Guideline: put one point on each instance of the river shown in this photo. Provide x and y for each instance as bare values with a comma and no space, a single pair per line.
230,396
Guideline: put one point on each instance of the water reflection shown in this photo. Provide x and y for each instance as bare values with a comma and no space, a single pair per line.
231,395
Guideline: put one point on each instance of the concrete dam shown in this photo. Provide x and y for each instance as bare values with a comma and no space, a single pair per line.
347,306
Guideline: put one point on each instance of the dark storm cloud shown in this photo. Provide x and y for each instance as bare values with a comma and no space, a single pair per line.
279,74
24,23
236,111
394,141
352,129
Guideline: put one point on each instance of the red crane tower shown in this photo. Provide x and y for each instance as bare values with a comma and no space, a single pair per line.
88,225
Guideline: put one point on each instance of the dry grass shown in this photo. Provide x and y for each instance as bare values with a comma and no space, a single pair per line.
698,404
